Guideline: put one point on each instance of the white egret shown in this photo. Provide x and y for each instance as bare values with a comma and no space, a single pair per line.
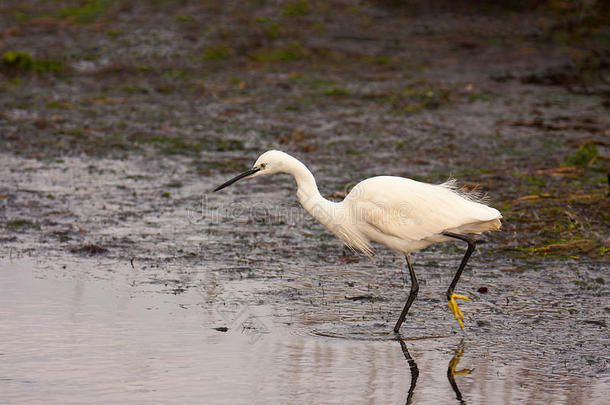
403,214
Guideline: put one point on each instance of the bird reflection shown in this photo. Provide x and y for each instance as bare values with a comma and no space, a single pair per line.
412,366
451,370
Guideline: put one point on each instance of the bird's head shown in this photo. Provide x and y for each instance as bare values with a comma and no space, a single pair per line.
270,162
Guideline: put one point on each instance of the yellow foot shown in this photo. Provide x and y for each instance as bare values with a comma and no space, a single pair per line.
455,309
457,356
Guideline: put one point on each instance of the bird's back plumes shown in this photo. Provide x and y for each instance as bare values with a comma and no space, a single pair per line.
474,194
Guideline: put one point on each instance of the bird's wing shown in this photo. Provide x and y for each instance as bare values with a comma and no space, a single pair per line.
411,210
402,220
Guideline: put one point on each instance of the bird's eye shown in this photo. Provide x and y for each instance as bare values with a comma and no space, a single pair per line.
263,165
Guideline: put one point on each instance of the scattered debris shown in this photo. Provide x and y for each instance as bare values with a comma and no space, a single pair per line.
90,249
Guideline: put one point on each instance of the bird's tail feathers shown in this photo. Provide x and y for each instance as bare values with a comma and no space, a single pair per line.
478,227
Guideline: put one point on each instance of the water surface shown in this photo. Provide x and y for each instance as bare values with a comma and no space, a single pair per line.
72,337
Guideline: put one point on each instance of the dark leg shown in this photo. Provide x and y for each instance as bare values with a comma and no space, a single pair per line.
450,295
412,295
412,367
471,245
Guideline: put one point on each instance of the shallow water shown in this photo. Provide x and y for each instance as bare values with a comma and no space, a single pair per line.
75,337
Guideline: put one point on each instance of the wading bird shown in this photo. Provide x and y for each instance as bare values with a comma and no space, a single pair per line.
403,214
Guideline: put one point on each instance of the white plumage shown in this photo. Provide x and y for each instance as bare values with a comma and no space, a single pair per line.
403,214
407,215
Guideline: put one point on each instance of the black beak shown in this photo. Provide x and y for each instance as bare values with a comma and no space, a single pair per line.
238,177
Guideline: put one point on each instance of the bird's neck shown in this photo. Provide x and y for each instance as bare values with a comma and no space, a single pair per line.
307,190
309,196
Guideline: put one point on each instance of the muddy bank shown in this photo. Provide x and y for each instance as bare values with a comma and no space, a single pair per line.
423,92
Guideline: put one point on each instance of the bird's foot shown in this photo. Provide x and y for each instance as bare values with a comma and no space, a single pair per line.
453,364
455,309
457,356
